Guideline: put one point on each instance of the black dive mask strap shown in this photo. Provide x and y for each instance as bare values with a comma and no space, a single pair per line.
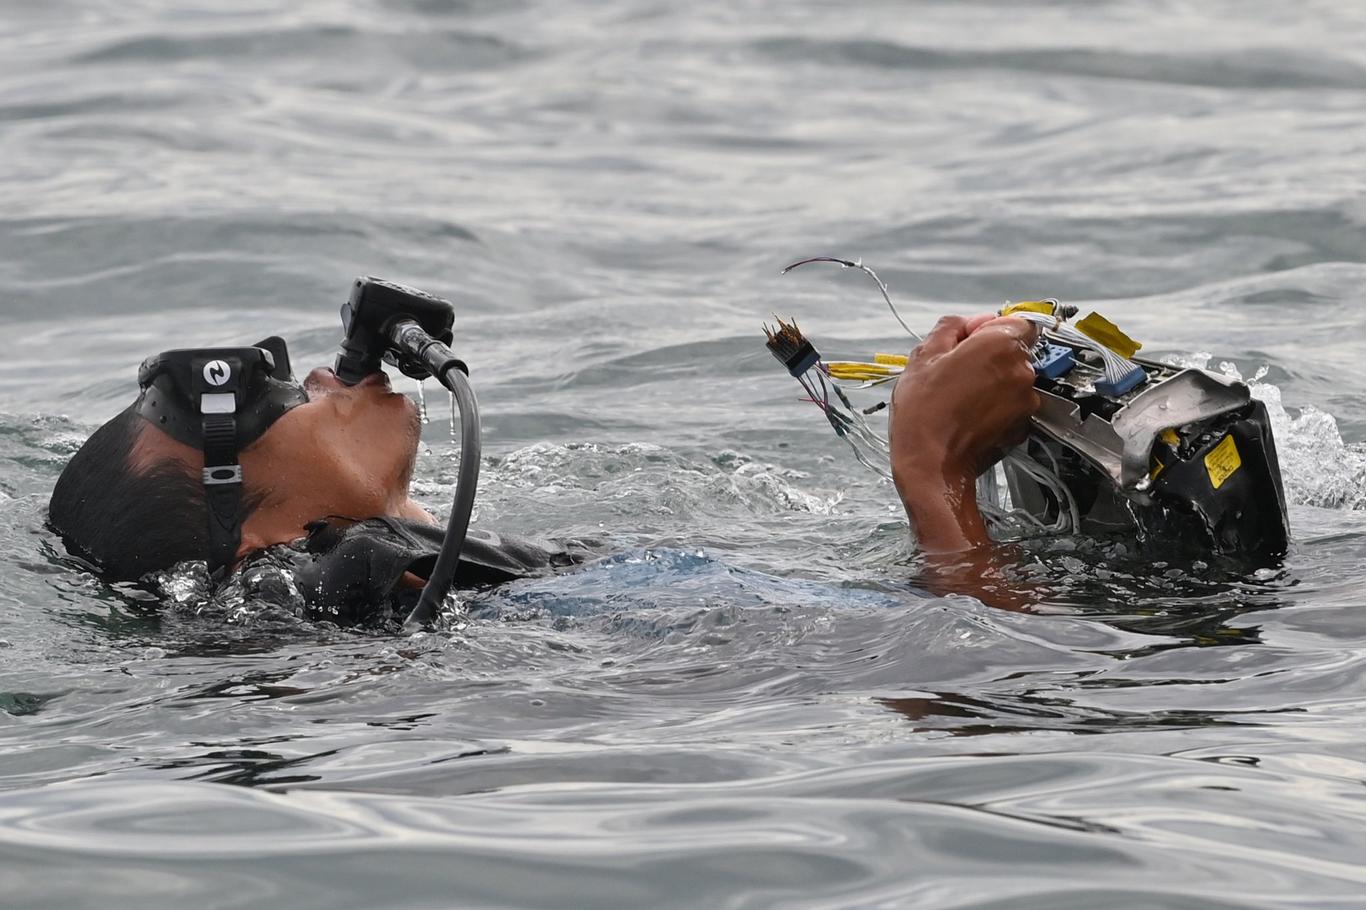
222,475
219,400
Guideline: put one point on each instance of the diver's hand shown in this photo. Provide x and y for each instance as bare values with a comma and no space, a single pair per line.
965,397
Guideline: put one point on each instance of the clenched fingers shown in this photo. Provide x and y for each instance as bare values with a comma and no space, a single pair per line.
946,335
1022,331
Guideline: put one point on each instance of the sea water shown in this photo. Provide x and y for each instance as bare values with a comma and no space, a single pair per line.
753,701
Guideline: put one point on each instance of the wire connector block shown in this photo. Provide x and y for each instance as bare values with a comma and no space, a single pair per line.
789,345
1127,383
1054,361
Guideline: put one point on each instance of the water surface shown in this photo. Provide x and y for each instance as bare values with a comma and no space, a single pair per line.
752,703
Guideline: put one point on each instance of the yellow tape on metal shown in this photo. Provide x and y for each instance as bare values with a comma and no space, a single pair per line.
1098,328
1047,307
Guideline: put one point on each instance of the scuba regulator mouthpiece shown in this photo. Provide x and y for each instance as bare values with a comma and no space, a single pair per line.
221,400
386,322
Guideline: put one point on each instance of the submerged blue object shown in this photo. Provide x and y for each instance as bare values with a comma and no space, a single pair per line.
660,577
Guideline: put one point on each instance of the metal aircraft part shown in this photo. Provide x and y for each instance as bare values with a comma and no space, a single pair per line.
1122,445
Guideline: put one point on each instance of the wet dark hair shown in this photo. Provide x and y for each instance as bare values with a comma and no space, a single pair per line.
128,523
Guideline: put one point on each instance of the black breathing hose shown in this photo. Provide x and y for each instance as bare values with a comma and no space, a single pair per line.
410,338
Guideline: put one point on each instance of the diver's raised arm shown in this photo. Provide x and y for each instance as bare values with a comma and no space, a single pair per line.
966,395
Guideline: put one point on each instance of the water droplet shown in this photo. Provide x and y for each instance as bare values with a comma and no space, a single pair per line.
422,401
455,419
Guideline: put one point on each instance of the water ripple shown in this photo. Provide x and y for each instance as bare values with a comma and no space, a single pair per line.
760,695
1251,70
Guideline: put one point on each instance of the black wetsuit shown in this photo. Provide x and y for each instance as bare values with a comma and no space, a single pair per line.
352,573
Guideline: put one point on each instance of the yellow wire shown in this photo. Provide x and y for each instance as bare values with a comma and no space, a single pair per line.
856,370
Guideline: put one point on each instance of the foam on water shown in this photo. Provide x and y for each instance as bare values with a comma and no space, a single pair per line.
1318,466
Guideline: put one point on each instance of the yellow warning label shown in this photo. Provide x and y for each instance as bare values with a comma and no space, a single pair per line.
1098,328
1222,461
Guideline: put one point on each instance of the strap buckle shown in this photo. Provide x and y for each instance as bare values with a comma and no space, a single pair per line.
222,474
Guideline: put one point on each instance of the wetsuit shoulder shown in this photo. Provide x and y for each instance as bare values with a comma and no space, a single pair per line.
350,574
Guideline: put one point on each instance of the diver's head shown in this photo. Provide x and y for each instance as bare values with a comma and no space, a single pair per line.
137,497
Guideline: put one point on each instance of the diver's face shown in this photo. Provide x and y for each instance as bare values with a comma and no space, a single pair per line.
347,452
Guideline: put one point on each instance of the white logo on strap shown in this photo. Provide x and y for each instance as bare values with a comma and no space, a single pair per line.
216,372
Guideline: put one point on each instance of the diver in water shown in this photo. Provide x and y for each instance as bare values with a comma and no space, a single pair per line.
319,471
323,470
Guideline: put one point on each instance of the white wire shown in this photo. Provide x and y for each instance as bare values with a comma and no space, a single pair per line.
859,385
881,286
1049,480
870,450
1116,367
858,264
857,420
873,451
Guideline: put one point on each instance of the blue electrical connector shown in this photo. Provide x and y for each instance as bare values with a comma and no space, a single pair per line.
1054,361
1130,381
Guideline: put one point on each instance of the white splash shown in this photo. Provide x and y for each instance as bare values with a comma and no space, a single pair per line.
184,585
765,482
1319,468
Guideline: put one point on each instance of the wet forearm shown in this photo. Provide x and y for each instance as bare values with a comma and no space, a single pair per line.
961,557
941,504
967,393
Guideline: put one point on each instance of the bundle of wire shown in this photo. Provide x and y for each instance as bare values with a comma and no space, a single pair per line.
1094,333
790,346
828,384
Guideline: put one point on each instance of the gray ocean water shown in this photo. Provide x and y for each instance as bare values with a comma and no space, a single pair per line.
753,703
